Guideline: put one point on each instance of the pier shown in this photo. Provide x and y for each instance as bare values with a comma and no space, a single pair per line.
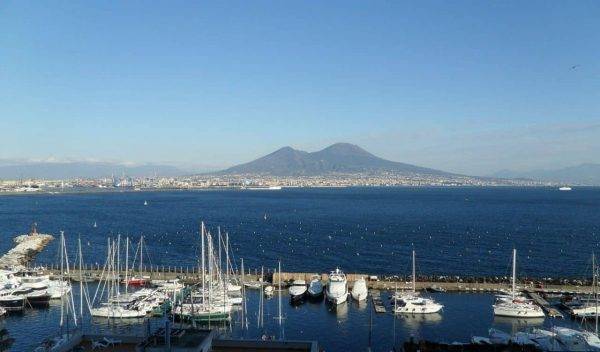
377,302
551,311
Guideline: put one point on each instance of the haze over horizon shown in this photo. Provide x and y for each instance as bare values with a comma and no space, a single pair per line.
465,87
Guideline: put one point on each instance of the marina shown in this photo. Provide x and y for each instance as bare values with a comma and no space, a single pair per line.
122,287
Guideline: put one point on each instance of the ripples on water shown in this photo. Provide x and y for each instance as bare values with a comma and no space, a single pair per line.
461,231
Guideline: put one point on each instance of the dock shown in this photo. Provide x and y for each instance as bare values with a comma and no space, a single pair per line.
551,311
377,302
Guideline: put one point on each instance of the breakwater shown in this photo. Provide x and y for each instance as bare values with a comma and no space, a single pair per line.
27,246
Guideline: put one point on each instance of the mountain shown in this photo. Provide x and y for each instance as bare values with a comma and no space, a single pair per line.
337,158
584,174
81,169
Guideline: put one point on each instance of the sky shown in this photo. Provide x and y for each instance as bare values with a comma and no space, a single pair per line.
465,86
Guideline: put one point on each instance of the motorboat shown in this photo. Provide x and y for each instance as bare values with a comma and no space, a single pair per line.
2,311
269,290
359,290
514,305
337,288
297,290
410,304
315,287
11,302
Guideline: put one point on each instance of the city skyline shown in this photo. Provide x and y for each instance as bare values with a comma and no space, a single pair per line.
467,87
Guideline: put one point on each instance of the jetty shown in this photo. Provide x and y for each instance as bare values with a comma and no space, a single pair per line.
552,312
377,302
27,247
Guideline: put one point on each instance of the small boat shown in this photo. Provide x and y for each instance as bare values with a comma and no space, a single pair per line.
565,188
315,287
255,285
269,290
12,302
2,311
297,290
436,288
359,290
337,288
145,202
38,298
95,224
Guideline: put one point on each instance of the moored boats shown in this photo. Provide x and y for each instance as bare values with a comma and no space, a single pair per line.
315,287
359,290
337,287
297,290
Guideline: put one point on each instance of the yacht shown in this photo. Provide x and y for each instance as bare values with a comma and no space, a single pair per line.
411,303
11,302
337,288
359,290
297,290
315,287
515,306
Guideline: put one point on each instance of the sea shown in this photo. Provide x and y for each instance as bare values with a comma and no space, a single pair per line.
466,231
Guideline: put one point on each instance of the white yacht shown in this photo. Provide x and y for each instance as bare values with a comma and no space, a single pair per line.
315,287
297,290
516,306
337,288
411,303
359,290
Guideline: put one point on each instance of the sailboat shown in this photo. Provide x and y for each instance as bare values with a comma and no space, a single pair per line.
515,306
411,302
139,280
113,306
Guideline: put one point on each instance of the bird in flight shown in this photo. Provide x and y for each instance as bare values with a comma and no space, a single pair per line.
574,67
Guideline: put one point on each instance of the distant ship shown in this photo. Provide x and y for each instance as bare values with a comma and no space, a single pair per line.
564,188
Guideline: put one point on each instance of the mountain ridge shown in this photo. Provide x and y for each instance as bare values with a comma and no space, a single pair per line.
583,174
336,158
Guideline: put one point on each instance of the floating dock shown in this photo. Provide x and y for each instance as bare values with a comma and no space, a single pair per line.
377,302
551,311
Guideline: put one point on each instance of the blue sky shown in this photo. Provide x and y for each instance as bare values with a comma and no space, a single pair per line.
465,86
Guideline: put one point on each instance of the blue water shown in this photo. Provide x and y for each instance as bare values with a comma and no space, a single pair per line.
455,231
462,231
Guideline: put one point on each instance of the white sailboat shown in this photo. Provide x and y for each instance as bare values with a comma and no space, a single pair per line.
337,288
411,302
516,306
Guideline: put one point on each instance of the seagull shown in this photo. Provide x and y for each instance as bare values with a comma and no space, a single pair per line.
574,67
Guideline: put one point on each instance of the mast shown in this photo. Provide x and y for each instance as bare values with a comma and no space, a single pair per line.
126,264
227,258
594,283
118,263
280,318
202,245
414,283
514,273
219,236
80,280
141,255
62,299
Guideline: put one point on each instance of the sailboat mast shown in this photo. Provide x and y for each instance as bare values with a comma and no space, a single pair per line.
202,245
595,283
514,273
62,300
126,264
141,254
118,262
80,280
227,258
414,283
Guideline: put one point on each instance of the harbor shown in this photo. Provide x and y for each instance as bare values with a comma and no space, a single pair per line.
220,305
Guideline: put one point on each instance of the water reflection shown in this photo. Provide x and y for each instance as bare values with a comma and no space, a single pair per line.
415,321
517,324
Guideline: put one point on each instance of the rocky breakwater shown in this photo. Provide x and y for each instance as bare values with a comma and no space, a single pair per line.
27,246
